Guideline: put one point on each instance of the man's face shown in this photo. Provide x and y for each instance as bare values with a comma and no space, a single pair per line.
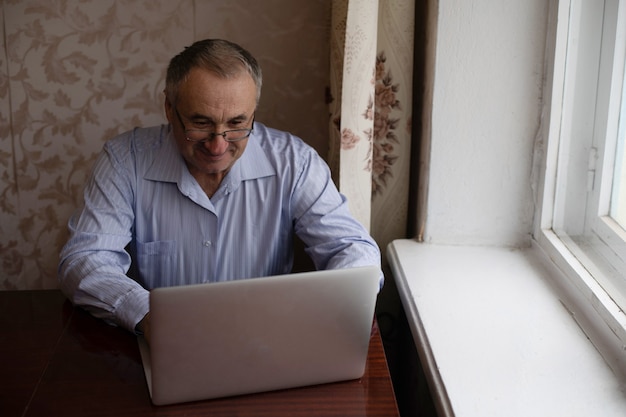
209,102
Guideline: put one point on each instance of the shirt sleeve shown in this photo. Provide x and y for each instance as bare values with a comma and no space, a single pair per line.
93,263
332,236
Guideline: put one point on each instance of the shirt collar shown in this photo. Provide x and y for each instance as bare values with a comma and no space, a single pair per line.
253,164
169,165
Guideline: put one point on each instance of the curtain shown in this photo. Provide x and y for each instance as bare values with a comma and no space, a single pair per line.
371,107
371,89
353,55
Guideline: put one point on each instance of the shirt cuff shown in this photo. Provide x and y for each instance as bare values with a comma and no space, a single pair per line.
133,308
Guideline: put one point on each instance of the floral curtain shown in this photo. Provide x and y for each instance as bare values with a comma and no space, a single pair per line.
371,110
353,53
372,129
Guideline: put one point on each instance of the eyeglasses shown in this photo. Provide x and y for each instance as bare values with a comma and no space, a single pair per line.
203,135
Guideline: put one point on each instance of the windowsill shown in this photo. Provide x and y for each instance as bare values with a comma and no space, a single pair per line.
493,337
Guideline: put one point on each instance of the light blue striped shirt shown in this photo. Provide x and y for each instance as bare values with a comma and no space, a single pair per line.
142,197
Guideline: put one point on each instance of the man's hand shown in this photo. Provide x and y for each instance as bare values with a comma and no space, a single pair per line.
144,327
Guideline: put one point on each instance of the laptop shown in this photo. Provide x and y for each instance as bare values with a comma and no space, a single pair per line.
263,334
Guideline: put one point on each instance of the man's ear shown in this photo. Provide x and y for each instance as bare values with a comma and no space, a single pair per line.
169,110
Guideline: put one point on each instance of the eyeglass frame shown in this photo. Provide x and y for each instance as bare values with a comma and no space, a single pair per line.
213,135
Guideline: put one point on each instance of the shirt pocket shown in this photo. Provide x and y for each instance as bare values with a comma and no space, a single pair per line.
157,262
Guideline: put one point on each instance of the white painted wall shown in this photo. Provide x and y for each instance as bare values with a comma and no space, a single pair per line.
485,115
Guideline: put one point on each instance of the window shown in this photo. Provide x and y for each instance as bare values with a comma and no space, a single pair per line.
583,217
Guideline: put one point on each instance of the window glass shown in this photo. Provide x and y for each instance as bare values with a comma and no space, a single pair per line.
618,195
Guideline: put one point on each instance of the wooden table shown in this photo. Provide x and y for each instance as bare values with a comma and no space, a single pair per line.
57,360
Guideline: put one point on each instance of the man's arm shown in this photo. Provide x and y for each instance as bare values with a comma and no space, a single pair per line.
332,236
93,263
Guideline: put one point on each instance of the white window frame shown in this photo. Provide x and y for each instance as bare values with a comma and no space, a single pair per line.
590,293
607,238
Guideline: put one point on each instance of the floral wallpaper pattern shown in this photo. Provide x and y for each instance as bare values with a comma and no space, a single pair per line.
72,74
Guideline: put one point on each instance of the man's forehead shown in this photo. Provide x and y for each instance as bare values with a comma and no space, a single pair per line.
206,88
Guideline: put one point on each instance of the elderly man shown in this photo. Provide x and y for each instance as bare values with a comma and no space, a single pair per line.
211,196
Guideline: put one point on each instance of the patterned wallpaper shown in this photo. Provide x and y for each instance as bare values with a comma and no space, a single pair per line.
76,72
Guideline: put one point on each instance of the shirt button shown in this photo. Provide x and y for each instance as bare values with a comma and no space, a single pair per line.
206,243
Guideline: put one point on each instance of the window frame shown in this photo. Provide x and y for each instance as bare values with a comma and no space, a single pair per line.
610,236
588,292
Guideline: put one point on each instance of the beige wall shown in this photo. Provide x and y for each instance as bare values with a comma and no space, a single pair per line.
73,74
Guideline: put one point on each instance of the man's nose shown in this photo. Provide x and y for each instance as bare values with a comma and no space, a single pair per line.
216,145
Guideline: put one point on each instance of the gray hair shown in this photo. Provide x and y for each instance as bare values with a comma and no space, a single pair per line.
224,58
